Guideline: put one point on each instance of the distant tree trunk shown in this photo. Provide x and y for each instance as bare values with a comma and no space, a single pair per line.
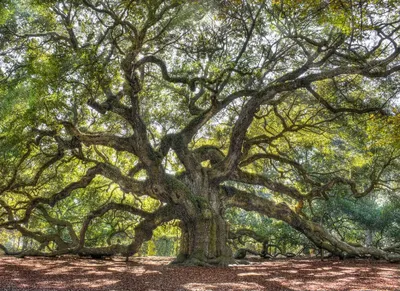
24,243
368,237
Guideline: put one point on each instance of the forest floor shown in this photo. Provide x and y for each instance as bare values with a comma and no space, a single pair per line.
155,273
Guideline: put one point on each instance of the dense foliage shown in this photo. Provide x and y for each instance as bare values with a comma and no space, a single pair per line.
194,127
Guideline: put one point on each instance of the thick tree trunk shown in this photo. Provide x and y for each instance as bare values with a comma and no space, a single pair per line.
204,241
205,234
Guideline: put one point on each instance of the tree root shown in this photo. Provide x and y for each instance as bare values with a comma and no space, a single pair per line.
204,262
241,254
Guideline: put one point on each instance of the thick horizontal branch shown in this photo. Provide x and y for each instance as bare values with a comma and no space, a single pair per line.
255,179
112,104
316,233
113,141
126,183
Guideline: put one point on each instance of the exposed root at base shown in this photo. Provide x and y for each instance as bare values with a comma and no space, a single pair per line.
204,262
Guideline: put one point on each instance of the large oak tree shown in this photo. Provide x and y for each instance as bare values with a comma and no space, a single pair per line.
199,105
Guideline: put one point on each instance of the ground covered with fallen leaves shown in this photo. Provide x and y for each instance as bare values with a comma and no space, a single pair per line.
155,273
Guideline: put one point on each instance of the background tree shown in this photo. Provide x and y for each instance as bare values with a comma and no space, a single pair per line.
120,116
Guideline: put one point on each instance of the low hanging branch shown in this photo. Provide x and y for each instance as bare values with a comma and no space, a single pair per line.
241,253
316,233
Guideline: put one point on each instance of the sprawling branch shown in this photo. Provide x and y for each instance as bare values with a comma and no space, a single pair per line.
60,222
144,230
113,15
331,108
166,76
126,183
267,94
104,209
316,233
64,193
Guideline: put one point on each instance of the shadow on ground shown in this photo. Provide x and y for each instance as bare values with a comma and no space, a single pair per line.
154,273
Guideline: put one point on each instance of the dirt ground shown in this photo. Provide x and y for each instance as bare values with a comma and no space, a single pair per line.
154,273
